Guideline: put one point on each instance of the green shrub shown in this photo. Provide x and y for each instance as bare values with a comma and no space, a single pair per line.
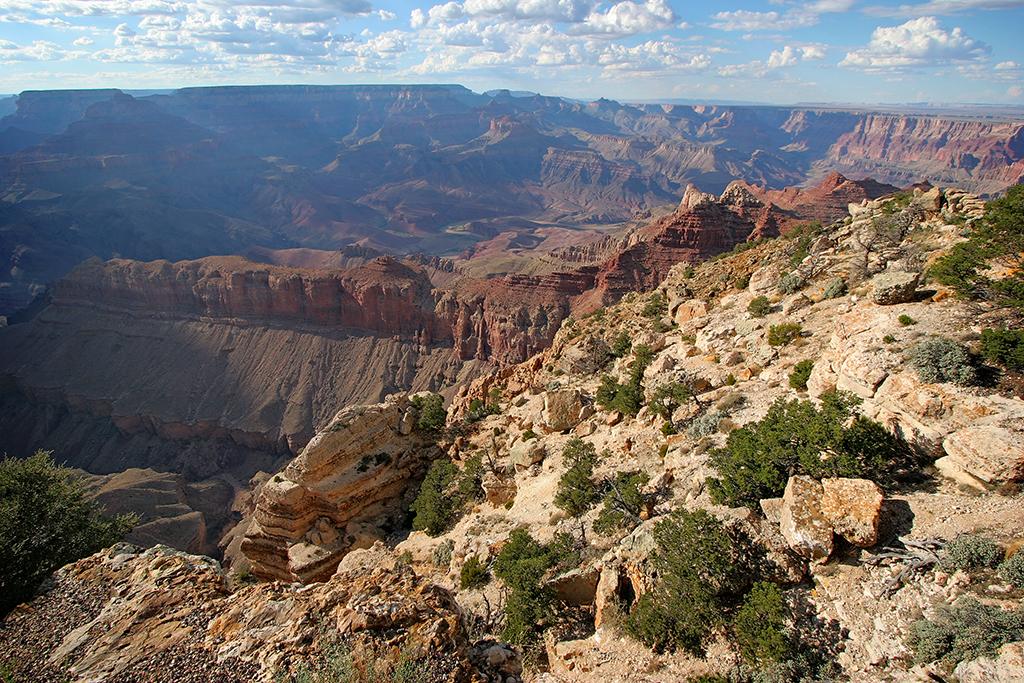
703,569
705,424
478,410
441,555
783,333
577,492
742,281
889,339
1005,347
730,379
759,626
668,429
46,521
835,289
432,413
998,236
906,320
435,507
1012,570
798,437
623,502
522,565
759,306
801,373
791,283
688,271
529,434
470,483
626,398
473,574
969,552
656,306
667,398
964,632
622,344
943,360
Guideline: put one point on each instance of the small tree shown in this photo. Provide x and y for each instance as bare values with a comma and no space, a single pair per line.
624,502
759,626
621,344
667,398
801,373
577,491
1005,347
432,413
473,574
522,565
799,437
470,480
435,507
46,521
703,569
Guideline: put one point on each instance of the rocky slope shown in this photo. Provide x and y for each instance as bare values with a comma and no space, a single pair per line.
160,615
856,558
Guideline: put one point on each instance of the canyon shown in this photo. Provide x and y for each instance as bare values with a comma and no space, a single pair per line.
437,169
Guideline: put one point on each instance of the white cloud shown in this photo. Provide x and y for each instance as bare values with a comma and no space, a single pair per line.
386,15
797,17
780,58
812,52
1006,66
630,18
942,7
83,42
37,51
745,20
917,43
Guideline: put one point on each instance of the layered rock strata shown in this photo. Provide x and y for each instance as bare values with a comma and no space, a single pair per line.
337,494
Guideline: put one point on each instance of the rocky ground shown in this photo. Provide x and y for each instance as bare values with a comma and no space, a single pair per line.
856,556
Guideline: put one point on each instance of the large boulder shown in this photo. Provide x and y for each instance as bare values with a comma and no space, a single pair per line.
854,508
562,409
802,523
983,456
894,287
525,454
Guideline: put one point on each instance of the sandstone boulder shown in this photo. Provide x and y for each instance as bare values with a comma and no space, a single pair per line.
499,490
562,409
687,311
854,508
894,287
801,520
983,455
525,454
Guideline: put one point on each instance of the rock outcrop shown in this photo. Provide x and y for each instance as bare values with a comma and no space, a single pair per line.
337,494
127,615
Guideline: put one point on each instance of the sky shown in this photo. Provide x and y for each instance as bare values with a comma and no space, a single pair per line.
777,51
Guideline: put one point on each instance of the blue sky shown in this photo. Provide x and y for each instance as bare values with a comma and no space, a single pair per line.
783,51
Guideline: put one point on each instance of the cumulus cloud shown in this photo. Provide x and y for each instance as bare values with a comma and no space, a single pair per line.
919,42
780,58
630,18
84,41
777,60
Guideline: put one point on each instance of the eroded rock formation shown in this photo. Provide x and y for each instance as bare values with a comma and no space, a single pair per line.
338,494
